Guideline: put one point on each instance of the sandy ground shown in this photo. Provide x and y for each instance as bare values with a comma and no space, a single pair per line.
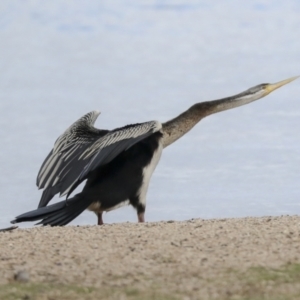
195,259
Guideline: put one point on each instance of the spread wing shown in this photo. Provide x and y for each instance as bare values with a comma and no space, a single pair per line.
81,149
63,158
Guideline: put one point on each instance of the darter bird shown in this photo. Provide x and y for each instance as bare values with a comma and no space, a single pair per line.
116,164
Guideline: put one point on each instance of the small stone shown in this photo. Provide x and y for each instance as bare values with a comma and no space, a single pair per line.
22,276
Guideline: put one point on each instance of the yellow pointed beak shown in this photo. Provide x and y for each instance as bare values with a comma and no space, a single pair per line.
273,86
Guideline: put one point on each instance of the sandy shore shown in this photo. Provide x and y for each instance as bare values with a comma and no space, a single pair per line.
195,259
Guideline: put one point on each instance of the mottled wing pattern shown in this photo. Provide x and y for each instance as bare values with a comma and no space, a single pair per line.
106,148
62,164
81,149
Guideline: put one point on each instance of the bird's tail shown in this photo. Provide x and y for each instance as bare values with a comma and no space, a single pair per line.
58,214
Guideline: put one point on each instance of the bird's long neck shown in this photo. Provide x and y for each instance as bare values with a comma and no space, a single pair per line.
177,127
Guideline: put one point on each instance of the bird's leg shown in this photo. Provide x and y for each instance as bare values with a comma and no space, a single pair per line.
140,208
141,217
100,220
141,212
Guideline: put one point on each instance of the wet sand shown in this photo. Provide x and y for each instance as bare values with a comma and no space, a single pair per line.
195,259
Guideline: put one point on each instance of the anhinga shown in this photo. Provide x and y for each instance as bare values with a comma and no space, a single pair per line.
117,164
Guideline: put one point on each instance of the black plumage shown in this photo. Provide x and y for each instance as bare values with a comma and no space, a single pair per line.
113,162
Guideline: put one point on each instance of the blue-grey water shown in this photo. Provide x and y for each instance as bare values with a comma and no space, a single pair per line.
142,60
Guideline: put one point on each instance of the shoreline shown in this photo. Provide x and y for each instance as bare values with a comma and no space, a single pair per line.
212,258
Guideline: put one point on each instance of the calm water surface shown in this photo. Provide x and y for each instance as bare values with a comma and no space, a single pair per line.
143,60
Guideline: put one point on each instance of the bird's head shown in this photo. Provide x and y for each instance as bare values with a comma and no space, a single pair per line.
264,89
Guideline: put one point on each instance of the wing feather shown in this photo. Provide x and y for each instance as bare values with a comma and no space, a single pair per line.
81,149
64,155
105,149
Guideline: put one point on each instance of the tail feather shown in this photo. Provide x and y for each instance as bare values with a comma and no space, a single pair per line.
58,214
39,213
65,216
64,221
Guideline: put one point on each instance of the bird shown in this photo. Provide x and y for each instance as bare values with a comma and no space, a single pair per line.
116,164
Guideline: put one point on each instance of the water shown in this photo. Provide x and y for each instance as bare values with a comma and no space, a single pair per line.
137,61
